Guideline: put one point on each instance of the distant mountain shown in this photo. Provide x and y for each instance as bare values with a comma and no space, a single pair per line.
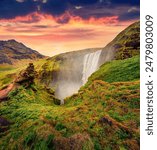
12,51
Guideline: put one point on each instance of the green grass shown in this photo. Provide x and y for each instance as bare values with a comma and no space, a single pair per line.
127,42
112,92
6,68
103,115
118,71
8,72
35,117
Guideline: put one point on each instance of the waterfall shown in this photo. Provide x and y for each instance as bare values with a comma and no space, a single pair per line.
90,65
75,74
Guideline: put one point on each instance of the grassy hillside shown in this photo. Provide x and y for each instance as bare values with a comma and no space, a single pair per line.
103,115
9,72
125,45
11,52
118,71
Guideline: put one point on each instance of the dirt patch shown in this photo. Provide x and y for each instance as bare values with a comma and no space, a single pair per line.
4,93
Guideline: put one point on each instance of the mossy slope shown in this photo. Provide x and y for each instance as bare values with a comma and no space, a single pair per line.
102,115
118,71
125,45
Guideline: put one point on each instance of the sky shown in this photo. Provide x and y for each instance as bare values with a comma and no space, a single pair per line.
56,26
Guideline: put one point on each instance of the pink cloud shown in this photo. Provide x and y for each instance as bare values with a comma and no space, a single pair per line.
52,35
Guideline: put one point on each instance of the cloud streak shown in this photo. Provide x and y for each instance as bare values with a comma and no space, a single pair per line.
55,26
50,37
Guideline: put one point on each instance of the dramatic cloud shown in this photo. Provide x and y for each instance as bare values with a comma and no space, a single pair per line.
81,8
55,26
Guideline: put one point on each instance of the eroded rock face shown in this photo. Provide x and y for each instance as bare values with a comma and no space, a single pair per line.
125,45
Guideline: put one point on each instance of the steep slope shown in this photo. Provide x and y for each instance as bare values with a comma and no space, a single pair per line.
69,71
104,114
118,71
12,51
125,45
101,116
65,71
61,70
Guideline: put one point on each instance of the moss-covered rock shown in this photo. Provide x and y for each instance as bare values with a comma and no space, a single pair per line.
26,77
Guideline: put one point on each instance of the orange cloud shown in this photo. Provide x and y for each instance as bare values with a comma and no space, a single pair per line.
52,35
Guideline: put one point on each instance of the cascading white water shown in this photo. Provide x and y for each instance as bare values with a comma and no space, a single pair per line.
90,65
71,79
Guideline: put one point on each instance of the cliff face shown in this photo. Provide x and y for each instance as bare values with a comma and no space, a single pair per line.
69,71
12,51
65,71
72,67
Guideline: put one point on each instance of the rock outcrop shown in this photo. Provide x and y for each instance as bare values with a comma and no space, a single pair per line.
25,77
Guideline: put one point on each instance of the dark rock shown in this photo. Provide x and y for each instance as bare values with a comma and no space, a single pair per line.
4,59
117,46
106,120
56,101
134,44
26,77
4,124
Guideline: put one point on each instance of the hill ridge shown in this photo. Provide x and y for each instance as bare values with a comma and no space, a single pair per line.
12,51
